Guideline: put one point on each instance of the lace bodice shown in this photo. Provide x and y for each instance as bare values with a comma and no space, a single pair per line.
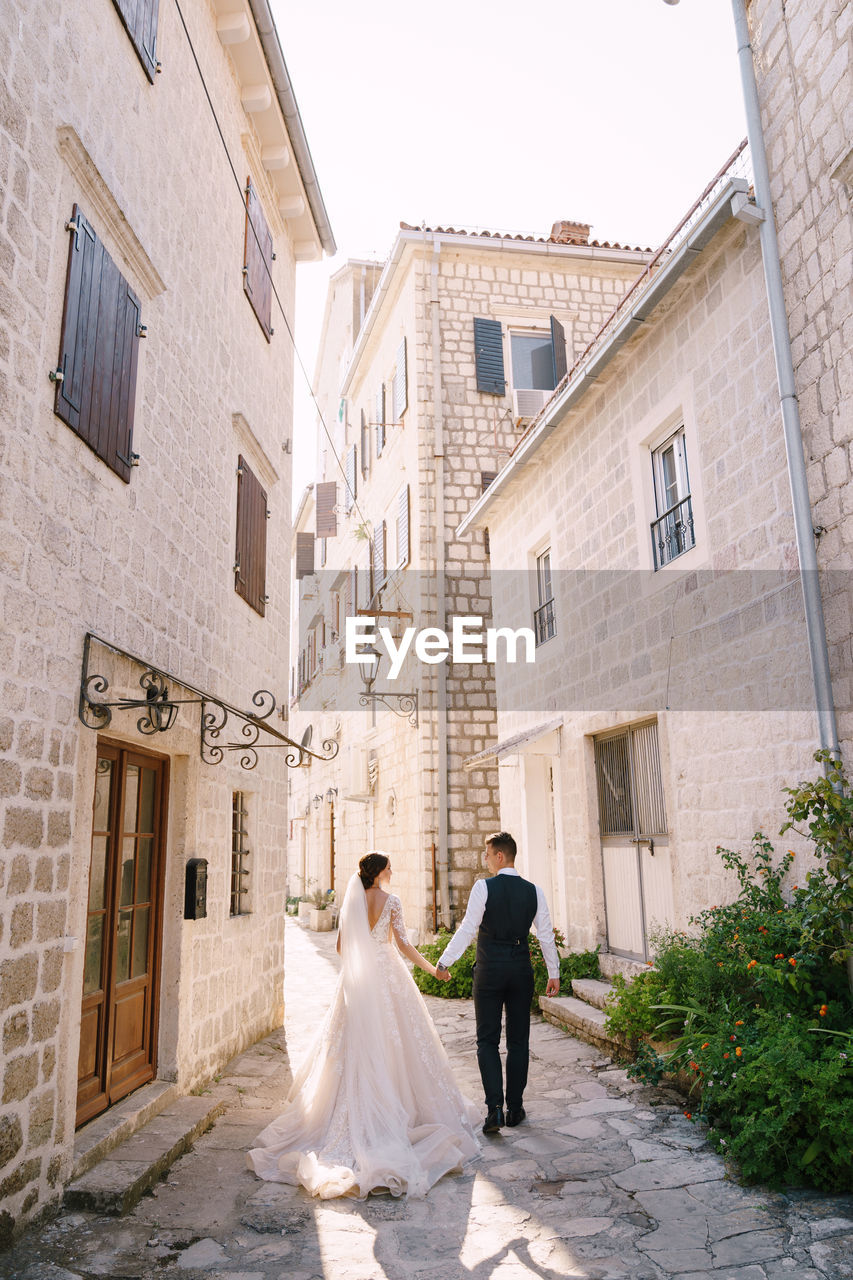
392,914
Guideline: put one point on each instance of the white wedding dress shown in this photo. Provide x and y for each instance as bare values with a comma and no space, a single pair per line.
374,1106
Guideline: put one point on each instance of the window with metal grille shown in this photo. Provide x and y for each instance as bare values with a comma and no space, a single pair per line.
672,530
630,787
239,854
99,348
544,620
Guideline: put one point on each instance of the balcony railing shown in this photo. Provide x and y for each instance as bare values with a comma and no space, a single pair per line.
672,533
544,623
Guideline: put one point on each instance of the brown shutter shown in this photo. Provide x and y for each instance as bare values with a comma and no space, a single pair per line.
257,260
558,351
400,386
327,501
379,556
486,478
250,567
140,21
350,468
304,555
403,550
351,602
365,443
99,350
380,420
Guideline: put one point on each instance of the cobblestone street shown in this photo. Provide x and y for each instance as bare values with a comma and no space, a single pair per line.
607,1180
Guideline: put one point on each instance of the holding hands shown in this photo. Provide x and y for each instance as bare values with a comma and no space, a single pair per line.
442,974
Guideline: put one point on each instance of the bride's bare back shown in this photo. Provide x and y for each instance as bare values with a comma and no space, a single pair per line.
376,899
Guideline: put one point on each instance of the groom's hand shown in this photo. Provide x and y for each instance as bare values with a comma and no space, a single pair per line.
443,975
553,987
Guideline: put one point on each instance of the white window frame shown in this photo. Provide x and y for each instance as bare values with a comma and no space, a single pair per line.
540,601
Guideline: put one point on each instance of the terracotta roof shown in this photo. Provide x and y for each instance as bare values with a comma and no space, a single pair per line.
561,233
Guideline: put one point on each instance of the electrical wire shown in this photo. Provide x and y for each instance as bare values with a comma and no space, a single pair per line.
273,288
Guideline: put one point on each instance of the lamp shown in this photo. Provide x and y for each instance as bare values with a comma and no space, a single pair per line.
402,704
331,793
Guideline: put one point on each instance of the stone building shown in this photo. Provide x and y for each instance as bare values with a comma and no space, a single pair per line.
158,193
424,393
803,56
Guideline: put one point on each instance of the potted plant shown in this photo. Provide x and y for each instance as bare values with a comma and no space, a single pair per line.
320,918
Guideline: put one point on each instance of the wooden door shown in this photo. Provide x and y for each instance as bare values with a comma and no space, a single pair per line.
634,839
118,1040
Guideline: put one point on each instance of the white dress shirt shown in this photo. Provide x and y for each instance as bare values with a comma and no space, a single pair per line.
467,931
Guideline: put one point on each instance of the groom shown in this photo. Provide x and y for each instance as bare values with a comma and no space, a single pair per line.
500,912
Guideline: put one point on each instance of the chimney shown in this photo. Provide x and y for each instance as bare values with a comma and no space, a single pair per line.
570,233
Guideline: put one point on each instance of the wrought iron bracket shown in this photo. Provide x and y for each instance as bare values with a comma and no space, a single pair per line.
160,712
404,705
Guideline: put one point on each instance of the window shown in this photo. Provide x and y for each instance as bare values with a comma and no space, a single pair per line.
400,383
250,561
99,348
140,23
380,420
304,555
379,556
403,547
672,530
365,444
544,623
257,260
327,509
350,468
537,361
239,854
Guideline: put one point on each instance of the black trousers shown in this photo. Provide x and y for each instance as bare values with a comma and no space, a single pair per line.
504,982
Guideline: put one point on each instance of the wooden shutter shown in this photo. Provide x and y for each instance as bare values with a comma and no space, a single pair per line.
489,356
379,556
351,601
558,350
250,562
140,22
486,478
98,351
257,260
350,467
322,542
380,420
365,443
327,501
304,555
400,384
403,528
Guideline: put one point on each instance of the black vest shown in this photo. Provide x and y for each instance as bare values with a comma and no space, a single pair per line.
511,906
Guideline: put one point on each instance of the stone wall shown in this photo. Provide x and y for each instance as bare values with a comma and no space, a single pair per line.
803,52
148,565
713,646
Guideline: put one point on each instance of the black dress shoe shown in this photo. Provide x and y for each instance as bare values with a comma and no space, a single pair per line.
515,1116
494,1120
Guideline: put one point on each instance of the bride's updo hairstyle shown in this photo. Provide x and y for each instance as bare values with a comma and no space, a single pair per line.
371,866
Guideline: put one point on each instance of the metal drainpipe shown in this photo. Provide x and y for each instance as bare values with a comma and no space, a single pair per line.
441,667
815,626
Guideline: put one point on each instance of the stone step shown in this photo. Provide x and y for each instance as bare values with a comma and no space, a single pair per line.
95,1139
591,990
127,1170
610,964
579,1018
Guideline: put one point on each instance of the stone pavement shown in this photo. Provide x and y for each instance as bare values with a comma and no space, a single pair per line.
606,1181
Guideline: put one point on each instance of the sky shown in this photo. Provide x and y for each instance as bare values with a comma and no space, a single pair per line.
506,116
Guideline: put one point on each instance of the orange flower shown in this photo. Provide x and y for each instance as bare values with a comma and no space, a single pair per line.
725,1055
705,1045
822,1010
780,955
738,1051
791,854
739,1022
792,960
689,1115
752,964
694,1066
733,1037
719,964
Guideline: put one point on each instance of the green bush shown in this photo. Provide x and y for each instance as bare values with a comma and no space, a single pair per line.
748,999
582,964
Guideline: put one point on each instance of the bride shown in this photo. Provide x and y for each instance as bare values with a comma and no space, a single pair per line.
375,1104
